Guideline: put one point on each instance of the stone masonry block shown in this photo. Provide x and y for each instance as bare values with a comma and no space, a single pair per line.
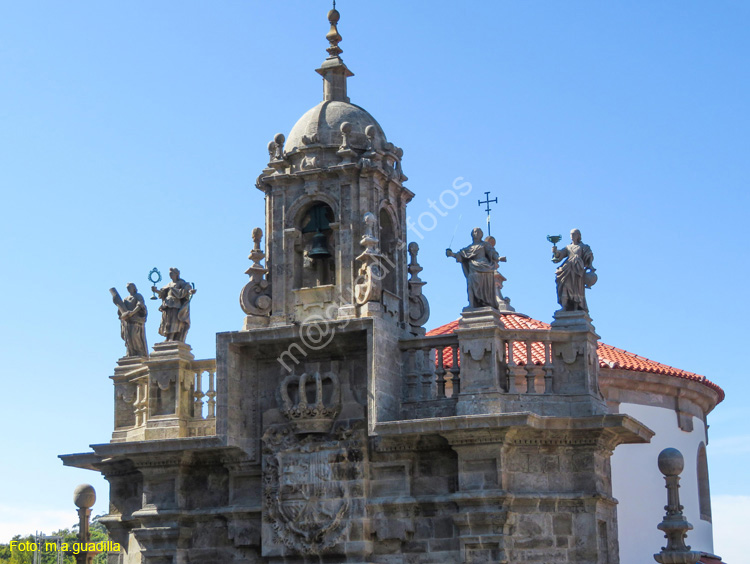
562,524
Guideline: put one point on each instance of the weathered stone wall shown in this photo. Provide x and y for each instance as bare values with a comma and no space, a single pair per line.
319,459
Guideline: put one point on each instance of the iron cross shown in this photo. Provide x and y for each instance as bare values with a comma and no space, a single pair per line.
488,210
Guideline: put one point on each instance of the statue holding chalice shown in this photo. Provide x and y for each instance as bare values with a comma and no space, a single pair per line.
575,274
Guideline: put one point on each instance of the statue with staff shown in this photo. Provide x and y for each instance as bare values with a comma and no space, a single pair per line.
175,307
132,313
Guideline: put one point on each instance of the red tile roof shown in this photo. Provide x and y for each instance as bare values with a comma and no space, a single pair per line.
609,356
705,559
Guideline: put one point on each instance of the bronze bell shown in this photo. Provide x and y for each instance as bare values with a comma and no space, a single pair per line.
319,248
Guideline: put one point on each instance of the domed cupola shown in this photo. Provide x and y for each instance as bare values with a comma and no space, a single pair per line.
335,131
321,126
335,214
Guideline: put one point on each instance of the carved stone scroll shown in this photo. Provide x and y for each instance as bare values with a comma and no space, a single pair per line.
369,286
419,307
255,298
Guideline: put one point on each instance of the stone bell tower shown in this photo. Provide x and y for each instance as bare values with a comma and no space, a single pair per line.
335,214
330,428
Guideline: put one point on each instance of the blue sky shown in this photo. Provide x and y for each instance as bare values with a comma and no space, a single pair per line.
131,135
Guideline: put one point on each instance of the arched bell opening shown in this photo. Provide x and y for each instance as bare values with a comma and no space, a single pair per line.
317,250
388,250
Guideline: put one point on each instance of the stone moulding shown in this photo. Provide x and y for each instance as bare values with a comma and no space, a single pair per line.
622,428
687,398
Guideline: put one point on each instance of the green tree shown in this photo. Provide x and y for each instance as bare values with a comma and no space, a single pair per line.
98,533
21,557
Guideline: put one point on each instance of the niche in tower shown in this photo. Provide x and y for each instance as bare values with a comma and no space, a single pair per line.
318,247
388,250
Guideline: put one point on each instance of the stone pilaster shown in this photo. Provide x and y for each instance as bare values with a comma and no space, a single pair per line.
576,362
482,355
169,384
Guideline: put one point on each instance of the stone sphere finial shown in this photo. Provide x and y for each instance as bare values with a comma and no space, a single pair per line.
346,128
84,496
279,138
671,462
370,131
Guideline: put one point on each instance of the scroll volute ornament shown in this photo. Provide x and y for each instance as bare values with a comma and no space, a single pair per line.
369,287
255,298
419,307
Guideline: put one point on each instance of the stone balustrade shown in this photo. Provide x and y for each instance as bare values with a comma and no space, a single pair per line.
498,369
168,395
203,414
430,371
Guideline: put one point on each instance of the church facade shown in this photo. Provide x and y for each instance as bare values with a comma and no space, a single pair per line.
332,428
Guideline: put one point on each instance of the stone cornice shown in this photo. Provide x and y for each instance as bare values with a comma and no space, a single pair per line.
528,428
628,386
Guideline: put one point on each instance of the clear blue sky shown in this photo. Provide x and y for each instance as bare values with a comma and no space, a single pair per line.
131,134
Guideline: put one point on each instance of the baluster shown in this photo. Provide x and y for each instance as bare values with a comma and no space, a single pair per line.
428,369
440,372
142,404
530,388
455,372
411,375
211,394
503,366
137,405
512,389
198,395
548,368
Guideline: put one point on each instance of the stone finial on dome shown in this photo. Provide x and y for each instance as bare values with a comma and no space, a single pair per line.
333,36
333,70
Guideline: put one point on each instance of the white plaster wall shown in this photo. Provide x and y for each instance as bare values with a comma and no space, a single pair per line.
639,486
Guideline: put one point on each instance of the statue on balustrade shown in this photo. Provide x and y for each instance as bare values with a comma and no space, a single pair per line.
132,313
575,274
175,307
479,262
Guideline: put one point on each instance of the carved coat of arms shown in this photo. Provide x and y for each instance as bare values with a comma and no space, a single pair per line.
309,468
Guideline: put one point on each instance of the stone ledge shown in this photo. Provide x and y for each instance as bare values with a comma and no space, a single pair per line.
628,429
103,452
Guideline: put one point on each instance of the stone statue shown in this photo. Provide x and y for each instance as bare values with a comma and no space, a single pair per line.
503,303
175,307
132,313
479,262
575,274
